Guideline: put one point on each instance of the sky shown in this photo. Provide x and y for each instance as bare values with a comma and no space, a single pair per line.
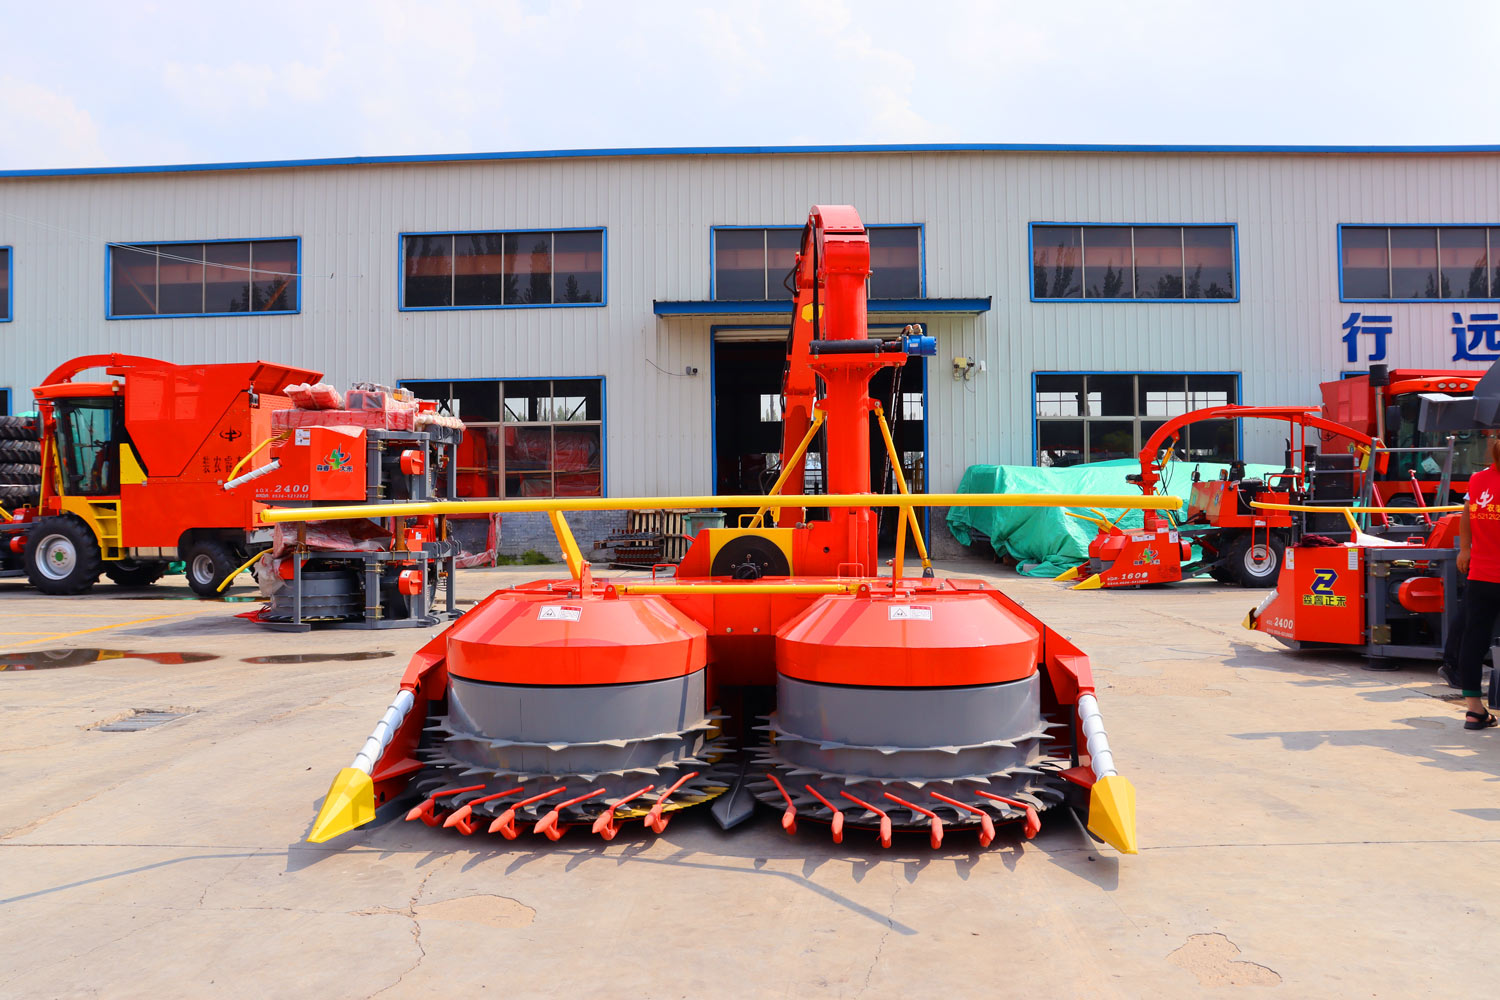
87,84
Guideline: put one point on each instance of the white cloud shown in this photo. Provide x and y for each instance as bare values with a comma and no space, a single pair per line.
46,129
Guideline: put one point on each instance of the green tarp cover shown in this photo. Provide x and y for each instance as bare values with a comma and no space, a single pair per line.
1044,541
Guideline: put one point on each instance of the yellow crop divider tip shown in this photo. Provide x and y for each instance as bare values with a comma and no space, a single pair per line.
1112,813
350,803
1092,583
1069,574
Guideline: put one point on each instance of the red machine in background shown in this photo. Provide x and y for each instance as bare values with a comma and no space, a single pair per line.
926,704
1385,403
1236,542
131,470
379,446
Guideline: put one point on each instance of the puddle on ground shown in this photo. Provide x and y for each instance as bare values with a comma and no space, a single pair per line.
373,654
50,659
226,598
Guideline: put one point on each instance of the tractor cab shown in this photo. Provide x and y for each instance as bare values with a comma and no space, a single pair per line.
87,432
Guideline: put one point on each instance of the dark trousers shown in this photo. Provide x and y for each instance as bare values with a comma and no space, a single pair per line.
1480,608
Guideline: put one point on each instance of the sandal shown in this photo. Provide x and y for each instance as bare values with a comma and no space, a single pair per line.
1480,720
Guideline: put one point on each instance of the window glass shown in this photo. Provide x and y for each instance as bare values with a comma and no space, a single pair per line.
1059,396
1059,442
1111,439
226,278
179,278
429,271
770,408
4,402
1158,262
782,246
895,262
5,292
1210,441
1112,416
578,260
1464,262
1116,395
1414,263
1495,263
1057,262
273,281
195,279
132,281
1209,263
477,269
1366,263
478,400
740,264
577,399
911,406
87,447
528,269
1106,262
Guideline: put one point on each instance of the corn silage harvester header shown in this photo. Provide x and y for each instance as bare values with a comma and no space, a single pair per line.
900,703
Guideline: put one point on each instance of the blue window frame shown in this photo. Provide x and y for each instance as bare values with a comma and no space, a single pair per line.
510,269
1413,262
1099,416
526,437
750,263
1122,262
203,278
7,275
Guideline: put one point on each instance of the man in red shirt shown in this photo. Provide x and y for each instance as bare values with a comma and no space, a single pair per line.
1479,559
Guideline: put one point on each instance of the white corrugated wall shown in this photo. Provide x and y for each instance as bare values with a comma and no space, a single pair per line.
1283,336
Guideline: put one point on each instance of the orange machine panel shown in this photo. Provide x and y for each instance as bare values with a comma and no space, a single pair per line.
317,463
1320,597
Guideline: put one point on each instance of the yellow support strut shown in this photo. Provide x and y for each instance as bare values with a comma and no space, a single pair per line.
818,417
908,515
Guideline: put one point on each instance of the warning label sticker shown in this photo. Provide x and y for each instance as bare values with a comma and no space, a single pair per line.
911,613
559,613
303,436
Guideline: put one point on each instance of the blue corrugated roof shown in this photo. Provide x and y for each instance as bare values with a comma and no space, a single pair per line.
559,154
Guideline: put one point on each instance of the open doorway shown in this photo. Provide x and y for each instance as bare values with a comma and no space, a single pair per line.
747,372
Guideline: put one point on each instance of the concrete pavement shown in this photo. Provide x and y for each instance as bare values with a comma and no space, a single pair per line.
1308,827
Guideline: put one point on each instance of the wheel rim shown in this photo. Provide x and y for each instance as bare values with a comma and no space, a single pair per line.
57,557
203,568
1260,560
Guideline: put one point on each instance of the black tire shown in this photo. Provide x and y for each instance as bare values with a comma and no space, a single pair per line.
18,429
208,561
62,556
12,495
1257,567
129,573
1221,574
19,472
26,452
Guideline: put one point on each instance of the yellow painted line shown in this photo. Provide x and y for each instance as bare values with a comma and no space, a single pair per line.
102,628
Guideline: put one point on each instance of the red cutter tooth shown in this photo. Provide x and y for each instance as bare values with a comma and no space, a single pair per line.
836,826
654,819
505,824
885,820
937,824
788,818
462,819
605,826
986,825
426,811
1033,821
548,823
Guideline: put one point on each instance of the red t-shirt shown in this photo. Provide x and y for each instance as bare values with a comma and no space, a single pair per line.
1483,504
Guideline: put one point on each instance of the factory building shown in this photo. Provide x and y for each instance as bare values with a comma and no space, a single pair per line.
613,321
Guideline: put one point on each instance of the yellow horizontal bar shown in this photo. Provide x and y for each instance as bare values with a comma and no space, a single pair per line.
419,508
734,588
1312,509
